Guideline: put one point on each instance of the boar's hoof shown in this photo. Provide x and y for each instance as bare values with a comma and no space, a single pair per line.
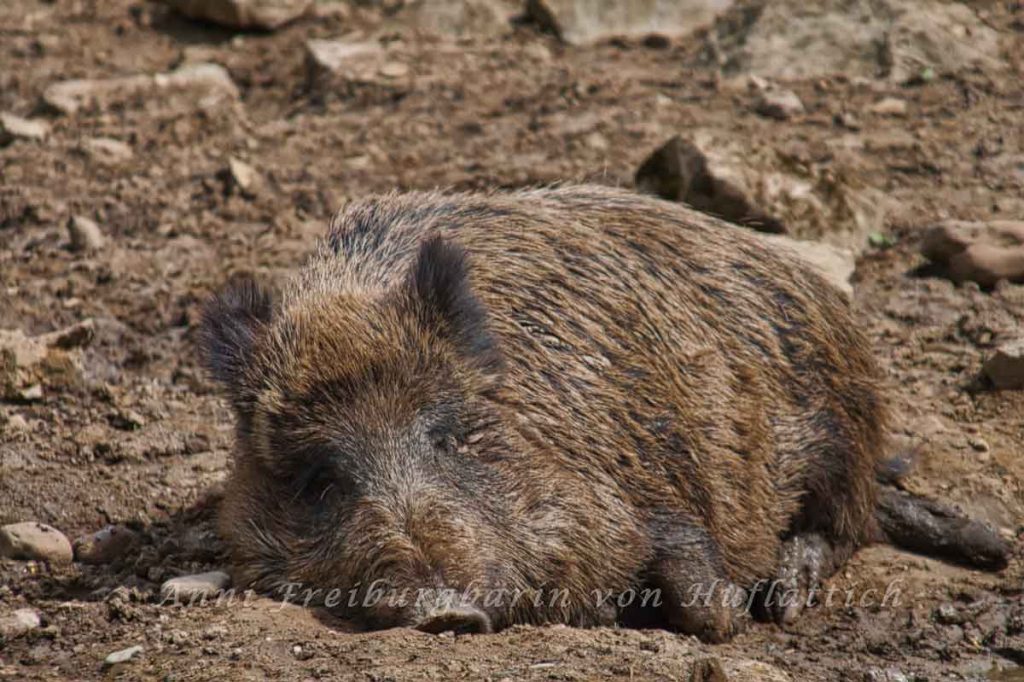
462,620
805,561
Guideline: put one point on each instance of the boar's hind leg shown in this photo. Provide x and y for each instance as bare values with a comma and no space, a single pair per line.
696,596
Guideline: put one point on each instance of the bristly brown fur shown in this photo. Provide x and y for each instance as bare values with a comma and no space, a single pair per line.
574,388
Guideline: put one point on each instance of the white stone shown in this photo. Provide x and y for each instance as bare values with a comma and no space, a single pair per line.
15,127
188,588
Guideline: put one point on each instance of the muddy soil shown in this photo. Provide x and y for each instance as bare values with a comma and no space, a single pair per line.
140,438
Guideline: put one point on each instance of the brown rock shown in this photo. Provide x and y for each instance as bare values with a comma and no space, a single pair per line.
244,14
680,171
104,546
1006,367
85,234
979,252
473,19
34,541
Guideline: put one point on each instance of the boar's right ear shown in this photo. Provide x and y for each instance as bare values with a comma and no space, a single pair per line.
441,288
232,321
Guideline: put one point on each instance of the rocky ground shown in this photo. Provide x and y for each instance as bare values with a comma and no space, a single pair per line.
183,151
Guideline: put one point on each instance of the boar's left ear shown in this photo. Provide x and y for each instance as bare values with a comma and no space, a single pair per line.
232,322
440,285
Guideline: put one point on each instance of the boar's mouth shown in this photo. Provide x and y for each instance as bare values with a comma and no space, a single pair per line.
461,620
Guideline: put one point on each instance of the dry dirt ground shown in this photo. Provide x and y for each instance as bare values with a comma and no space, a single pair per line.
140,437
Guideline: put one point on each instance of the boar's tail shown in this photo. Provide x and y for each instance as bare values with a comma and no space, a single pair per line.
932,528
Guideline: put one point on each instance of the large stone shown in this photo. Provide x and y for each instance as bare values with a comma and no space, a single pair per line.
34,541
586,21
977,251
898,39
244,14
198,83
747,181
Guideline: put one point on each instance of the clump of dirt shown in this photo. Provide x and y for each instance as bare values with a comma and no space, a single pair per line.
187,184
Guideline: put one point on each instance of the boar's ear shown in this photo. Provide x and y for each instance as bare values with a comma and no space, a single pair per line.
440,287
232,321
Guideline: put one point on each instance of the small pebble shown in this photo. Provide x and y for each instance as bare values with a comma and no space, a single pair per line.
978,444
779,104
193,587
107,150
16,424
394,70
122,656
846,120
85,234
948,614
15,127
890,106
104,546
16,624
31,540
243,175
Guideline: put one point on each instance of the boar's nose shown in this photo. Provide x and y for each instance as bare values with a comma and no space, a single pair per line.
462,620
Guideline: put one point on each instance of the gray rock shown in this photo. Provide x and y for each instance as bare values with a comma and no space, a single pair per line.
196,81
16,128
122,656
244,14
779,104
18,623
579,22
1006,367
104,546
188,588
898,39
85,234
34,541
360,69
472,19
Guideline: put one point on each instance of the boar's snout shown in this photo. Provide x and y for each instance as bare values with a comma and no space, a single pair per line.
458,619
